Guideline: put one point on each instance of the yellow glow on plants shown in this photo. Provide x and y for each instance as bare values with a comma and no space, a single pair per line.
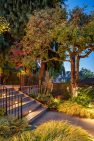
4,25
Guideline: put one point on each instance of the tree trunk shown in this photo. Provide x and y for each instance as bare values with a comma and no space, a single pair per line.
42,72
77,69
73,78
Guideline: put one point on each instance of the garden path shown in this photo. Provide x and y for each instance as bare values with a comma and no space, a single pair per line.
87,124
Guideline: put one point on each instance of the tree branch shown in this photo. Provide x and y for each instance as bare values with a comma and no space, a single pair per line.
83,56
55,59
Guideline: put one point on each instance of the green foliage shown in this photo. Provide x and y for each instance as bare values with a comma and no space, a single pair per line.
38,39
33,95
25,136
48,100
42,97
10,126
54,103
2,112
74,109
27,61
4,128
55,131
85,96
60,131
75,37
85,73
79,16
55,68
4,40
17,12
4,25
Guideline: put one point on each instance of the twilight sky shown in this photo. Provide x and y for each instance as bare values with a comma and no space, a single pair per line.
87,62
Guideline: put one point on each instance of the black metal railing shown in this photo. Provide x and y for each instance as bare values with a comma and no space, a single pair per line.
11,102
26,89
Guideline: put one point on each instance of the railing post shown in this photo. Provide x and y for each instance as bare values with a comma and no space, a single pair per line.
3,89
6,101
12,101
20,80
15,106
21,109
18,107
3,100
9,101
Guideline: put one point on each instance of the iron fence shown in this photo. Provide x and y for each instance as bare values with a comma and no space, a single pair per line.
11,102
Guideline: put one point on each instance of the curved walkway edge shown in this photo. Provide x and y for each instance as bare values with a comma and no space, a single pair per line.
87,124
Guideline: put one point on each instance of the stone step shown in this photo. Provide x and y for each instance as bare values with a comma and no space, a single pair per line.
31,108
26,109
2,91
36,114
9,93
11,101
11,97
13,94
38,111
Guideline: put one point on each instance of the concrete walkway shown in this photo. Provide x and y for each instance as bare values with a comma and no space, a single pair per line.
87,124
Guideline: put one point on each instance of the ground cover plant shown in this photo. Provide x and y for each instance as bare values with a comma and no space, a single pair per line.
2,112
85,96
47,100
10,126
80,106
55,131
75,109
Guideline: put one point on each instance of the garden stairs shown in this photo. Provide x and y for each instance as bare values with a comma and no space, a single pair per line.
31,109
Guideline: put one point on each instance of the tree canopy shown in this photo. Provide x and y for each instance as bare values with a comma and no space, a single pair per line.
38,44
38,40
76,38
51,36
85,73
17,12
4,29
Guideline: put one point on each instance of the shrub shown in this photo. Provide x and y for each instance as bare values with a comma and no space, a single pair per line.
60,131
26,136
85,96
55,131
54,103
33,95
4,128
74,109
48,100
10,126
2,112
